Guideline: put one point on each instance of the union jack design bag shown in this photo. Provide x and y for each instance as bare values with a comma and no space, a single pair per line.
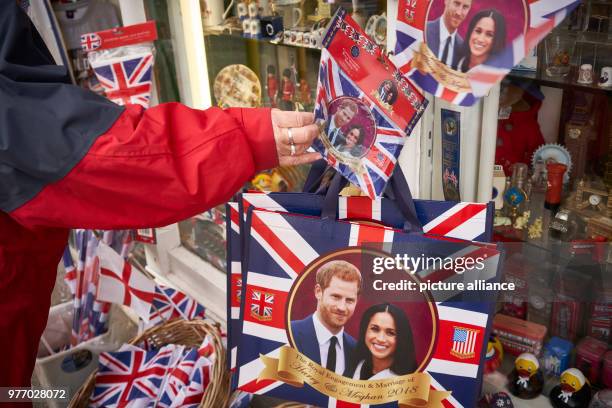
463,220
308,279
364,107
462,68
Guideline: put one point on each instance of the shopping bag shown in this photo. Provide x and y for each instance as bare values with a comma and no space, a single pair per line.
462,220
279,354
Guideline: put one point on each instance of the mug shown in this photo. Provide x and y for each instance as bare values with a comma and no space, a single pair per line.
243,10
316,38
287,36
585,75
292,16
605,79
253,9
265,8
255,28
299,37
213,12
306,41
246,27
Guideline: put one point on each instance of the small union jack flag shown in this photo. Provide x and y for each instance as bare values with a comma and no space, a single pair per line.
261,308
170,303
127,81
130,378
90,42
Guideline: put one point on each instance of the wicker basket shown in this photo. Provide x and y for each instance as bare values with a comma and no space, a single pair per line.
182,332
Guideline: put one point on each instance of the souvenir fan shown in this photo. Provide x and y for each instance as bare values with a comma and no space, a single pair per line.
122,59
440,48
364,107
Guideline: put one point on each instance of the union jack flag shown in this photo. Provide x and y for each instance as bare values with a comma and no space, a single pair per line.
127,81
261,305
280,246
90,42
378,163
187,382
543,15
169,303
131,378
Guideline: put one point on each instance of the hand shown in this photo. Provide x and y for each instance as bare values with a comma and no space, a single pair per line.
303,130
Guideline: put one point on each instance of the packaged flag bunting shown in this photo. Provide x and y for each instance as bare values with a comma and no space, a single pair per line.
457,50
365,108
299,342
122,59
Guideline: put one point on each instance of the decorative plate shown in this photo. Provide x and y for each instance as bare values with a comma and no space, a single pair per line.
237,86
552,153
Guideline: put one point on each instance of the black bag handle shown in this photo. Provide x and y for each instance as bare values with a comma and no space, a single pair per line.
397,190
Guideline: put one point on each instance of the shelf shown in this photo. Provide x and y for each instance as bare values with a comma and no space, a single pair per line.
562,82
237,33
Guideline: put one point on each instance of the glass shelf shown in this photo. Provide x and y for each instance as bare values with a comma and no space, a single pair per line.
567,82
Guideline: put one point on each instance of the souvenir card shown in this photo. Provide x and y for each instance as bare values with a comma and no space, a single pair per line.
365,108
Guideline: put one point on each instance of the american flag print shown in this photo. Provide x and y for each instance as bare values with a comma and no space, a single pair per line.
261,305
464,342
131,378
126,80
372,171
281,245
543,16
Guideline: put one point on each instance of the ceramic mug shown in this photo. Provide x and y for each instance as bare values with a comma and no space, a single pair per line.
316,38
253,10
246,27
243,10
255,30
213,12
585,75
605,79
292,16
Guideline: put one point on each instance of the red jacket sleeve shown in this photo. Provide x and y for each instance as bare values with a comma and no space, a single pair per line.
156,167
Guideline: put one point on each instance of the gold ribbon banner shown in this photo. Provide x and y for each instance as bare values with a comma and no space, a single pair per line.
426,62
294,368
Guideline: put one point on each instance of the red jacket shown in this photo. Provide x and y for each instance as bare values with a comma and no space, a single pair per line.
151,168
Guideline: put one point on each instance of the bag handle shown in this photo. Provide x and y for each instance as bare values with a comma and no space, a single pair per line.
397,190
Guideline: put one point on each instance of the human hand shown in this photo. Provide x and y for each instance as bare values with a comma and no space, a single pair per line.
303,130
